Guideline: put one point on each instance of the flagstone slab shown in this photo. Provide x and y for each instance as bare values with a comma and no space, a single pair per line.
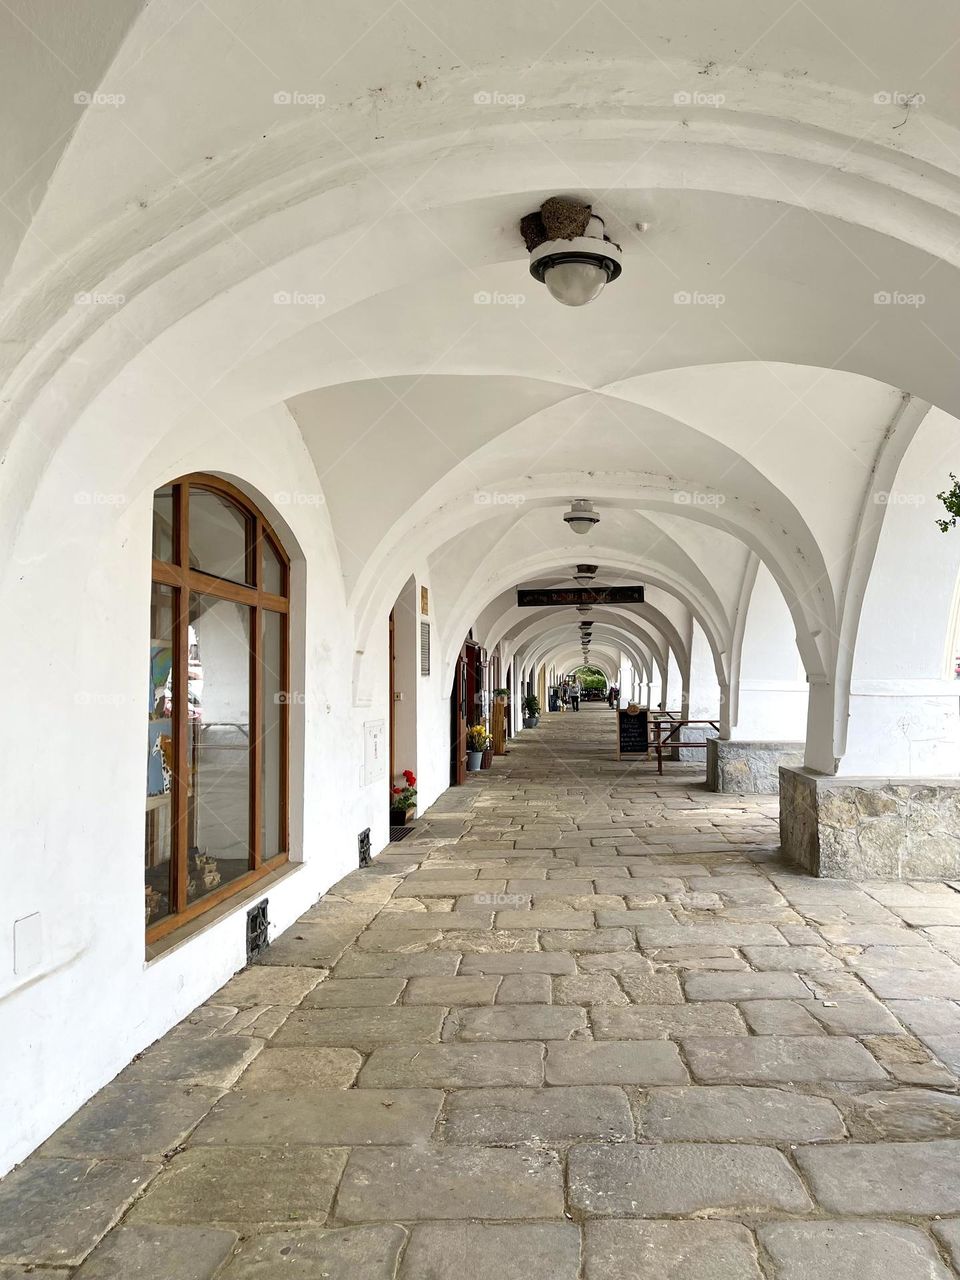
268,984
150,1252
903,1113
779,1059
313,946
279,1068
851,1251
451,1066
347,1253
522,1022
133,1120
361,964
215,1062
492,1251
243,1186
525,988
745,986
508,1116
636,1062
321,1117
732,1113
654,1021
553,962
853,1016
362,1028
354,993
470,989
407,1185
876,1178
669,1251
684,1178
587,939
53,1210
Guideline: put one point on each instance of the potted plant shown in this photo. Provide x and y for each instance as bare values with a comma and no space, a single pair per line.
501,695
486,759
403,800
531,711
476,745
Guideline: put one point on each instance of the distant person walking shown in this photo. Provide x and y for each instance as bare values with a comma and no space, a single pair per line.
613,697
575,695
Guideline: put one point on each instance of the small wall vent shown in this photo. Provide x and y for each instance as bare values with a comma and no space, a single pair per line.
424,648
363,844
257,930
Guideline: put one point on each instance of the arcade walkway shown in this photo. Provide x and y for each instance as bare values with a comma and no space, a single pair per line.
581,1024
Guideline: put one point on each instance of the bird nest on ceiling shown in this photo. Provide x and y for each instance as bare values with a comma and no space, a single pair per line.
558,218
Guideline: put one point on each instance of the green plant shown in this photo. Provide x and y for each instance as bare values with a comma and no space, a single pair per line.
501,693
477,738
951,500
531,705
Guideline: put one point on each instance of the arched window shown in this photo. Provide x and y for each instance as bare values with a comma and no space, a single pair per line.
218,703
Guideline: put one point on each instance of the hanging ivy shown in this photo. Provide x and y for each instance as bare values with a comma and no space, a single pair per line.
951,500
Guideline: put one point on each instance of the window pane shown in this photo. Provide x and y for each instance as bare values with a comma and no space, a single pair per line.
221,534
159,814
164,523
272,569
219,765
272,695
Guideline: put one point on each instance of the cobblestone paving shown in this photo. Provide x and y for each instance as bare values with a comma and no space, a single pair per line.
583,1025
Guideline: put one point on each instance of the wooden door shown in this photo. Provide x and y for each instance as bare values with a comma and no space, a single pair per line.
458,724
393,700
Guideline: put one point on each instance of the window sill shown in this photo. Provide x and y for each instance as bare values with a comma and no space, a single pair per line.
238,903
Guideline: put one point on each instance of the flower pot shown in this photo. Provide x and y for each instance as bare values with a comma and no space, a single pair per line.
473,761
401,817
531,722
486,758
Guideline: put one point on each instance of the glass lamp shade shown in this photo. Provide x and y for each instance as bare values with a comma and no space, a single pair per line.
575,283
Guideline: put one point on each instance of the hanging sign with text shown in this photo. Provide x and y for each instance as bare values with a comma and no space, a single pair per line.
537,597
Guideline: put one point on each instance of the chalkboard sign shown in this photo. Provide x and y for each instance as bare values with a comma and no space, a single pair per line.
633,735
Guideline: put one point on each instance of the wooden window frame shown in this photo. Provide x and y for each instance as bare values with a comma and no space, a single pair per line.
178,575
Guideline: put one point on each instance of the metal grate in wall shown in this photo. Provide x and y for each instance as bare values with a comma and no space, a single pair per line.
424,648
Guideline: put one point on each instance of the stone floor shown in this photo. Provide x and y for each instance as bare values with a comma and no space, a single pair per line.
582,1024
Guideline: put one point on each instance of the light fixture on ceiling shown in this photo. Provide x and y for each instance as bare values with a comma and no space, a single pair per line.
581,517
584,608
569,250
585,574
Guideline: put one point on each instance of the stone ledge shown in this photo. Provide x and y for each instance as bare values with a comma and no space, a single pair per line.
749,768
870,828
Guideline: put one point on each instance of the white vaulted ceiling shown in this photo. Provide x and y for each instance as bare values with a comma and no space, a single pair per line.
315,208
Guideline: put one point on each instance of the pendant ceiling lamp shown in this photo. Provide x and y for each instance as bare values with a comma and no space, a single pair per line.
581,517
570,251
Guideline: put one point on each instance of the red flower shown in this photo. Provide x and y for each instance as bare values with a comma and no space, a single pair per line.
411,780
396,791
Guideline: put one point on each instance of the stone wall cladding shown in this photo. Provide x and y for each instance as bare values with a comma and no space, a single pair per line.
871,828
693,733
749,768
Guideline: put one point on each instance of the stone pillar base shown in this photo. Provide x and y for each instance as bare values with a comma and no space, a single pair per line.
871,828
693,733
749,768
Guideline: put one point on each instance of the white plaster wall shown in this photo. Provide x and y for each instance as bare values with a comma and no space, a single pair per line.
673,693
703,701
904,717
772,704
406,677
73,828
